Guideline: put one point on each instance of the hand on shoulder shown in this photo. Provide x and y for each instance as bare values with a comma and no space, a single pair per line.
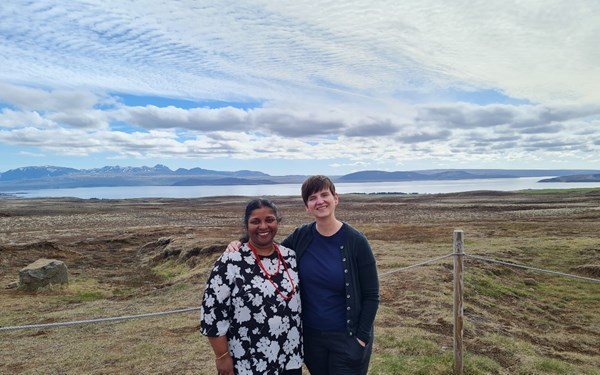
234,246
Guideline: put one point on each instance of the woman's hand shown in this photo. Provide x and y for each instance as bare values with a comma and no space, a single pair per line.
223,360
233,247
361,342
225,365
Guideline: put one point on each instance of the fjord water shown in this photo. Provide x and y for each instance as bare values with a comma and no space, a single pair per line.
408,187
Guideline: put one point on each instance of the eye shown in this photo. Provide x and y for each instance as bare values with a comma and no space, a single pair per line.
270,220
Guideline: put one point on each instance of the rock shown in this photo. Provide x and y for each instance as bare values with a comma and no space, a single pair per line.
164,241
43,272
530,281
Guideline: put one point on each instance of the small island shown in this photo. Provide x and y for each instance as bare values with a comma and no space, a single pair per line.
574,178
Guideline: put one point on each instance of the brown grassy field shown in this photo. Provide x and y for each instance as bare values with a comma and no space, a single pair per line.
138,256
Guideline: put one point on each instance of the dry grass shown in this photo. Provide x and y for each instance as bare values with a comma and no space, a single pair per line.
136,256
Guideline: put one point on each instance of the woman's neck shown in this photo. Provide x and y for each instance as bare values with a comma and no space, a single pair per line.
263,251
328,227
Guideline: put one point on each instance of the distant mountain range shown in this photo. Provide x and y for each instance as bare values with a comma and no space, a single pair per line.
48,177
28,173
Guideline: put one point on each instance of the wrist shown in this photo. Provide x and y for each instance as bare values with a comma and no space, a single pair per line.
222,356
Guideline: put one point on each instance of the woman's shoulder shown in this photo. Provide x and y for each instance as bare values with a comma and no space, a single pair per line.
235,256
353,231
355,238
286,251
304,228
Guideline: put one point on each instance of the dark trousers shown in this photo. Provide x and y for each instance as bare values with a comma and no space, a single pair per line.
335,353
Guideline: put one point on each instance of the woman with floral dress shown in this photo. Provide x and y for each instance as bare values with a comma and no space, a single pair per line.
251,306
340,285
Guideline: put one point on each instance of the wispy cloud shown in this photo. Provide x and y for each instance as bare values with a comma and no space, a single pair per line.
354,83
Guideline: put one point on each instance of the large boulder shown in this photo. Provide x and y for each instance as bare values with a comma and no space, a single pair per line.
43,272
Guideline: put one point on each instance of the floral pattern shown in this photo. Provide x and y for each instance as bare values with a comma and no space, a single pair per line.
264,332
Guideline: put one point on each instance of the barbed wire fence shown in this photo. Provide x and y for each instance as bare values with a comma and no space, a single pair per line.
458,254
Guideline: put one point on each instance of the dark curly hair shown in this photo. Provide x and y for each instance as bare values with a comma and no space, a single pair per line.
253,205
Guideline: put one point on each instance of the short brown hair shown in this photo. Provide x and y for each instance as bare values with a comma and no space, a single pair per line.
314,184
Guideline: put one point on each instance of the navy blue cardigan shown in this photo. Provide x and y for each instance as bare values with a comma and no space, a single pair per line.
360,274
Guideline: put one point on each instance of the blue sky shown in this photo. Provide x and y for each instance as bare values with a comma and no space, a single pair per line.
300,87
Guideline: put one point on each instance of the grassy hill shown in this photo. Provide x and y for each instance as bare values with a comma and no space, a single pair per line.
139,256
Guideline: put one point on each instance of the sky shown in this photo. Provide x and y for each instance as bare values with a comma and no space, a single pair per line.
302,87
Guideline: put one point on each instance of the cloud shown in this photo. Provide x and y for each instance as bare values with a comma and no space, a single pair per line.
425,136
366,82
464,115
36,99
373,127
32,154
468,116
200,119
15,119
542,51
543,129
296,124
442,130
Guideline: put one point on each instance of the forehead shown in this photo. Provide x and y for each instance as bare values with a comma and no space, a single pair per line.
262,212
321,191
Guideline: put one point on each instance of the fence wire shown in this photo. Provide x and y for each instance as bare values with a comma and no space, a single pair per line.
532,268
415,265
190,309
99,320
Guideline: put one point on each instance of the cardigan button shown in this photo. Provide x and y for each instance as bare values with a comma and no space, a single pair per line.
348,296
343,259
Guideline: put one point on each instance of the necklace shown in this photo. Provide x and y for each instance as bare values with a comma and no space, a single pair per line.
269,276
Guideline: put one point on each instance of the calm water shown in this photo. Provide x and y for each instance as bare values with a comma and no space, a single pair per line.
421,187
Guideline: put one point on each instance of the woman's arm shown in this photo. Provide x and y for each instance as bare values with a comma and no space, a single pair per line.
223,359
290,241
369,286
215,319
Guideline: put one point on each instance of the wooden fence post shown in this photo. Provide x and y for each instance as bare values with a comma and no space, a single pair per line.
458,246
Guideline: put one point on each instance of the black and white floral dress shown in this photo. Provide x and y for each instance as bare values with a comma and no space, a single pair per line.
263,329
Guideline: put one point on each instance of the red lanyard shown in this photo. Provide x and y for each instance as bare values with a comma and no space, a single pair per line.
269,276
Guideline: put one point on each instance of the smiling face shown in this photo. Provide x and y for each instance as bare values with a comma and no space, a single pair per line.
262,228
322,204
319,196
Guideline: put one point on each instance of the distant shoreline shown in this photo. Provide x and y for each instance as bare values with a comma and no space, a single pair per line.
293,189
54,177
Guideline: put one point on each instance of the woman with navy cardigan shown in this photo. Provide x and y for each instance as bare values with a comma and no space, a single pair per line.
340,285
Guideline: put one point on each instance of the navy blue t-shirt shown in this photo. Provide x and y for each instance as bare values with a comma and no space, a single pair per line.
322,277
